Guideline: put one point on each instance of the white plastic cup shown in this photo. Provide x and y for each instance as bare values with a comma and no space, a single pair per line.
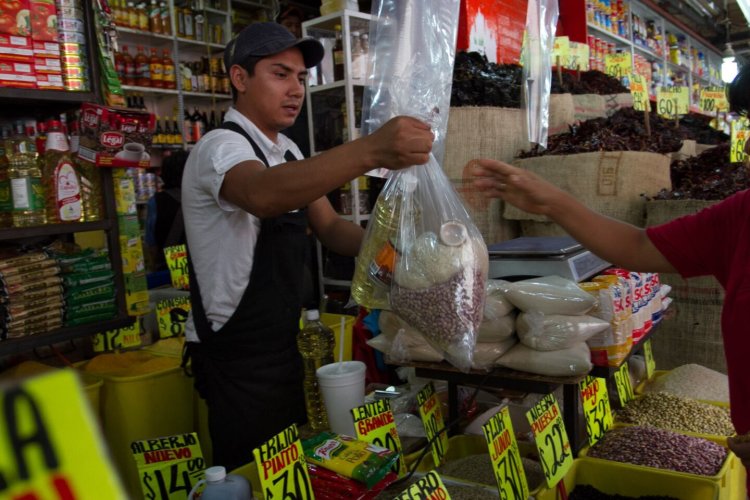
342,386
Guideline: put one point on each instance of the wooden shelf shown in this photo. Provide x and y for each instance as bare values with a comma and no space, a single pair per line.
18,233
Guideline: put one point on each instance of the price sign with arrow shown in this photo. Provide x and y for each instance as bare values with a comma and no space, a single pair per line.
374,423
551,439
169,466
650,362
282,468
506,459
121,338
432,420
171,315
596,409
624,387
639,91
176,257
739,135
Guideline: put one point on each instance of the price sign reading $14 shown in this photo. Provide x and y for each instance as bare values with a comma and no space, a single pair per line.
171,315
176,258
429,486
624,387
740,130
282,468
551,439
374,423
506,459
650,362
168,467
432,420
639,91
596,407
121,338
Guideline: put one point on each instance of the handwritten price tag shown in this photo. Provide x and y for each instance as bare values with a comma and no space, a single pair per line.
650,362
374,423
170,466
596,407
739,136
672,101
176,258
122,338
50,446
171,315
561,49
618,65
714,100
624,387
579,56
429,486
432,420
282,468
639,91
551,439
506,459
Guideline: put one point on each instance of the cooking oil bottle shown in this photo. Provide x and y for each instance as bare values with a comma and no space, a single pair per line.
315,343
62,182
91,190
377,257
6,203
25,176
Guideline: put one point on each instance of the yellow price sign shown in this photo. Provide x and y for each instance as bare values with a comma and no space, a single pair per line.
650,362
596,407
618,65
122,338
639,91
551,439
714,100
506,459
561,49
282,468
171,315
428,486
176,257
624,387
50,446
739,135
432,420
672,101
374,423
578,57
170,466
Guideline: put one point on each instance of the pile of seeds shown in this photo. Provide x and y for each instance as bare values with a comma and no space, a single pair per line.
677,413
693,381
586,492
662,449
456,491
478,469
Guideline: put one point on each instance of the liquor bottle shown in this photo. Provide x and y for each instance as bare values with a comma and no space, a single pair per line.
166,21
120,66
199,128
204,122
199,19
187,14
142,69
142,16
168,77
156,69
357,70
204,77
132,15
338,56
40,137
154,18
117,12
25,176
62,181
167,135
315,343
158,139
129,63
6,202
177,138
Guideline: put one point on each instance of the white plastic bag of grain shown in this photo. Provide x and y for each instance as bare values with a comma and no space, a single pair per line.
565,362
404,346
496,305
552,332
496,329
485,354
550,295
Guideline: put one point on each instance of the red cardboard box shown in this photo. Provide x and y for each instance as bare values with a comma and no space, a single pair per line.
14,18
47,65
15,68
115,137
42,48
16,48
43,20
49,81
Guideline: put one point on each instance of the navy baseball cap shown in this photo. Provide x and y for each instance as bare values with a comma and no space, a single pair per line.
267,39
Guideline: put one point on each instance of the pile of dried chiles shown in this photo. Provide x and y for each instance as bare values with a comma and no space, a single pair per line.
590,82
479,82
708,176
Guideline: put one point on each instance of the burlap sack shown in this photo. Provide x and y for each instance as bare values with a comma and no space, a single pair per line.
613,102
561,113
688,150
589,106
483,132
609,182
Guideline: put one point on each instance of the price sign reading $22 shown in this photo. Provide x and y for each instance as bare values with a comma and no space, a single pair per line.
432,420
551,439
171,315
168,467
374,423
176,258
506,459
282,468
596,407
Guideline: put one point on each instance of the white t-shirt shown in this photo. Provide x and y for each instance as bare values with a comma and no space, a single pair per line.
221,236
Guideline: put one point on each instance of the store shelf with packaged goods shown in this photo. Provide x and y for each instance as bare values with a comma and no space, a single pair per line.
608,34
357,21
647,52
608,371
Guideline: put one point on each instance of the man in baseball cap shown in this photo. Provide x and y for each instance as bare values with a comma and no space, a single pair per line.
248,199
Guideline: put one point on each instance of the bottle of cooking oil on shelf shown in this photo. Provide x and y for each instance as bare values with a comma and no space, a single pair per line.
377,257
62,181
91,190
315,343
6,202
25,176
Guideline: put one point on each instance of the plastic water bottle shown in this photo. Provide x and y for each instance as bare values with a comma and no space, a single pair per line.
315,343
222,486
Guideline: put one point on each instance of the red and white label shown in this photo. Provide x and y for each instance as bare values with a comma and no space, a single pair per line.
68,192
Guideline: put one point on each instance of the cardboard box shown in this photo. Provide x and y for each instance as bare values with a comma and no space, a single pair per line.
42,48
15,19
16,48
43,20
115,137
17,74
47,65
49,81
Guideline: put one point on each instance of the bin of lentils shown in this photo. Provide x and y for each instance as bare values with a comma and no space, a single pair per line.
587,492
662,449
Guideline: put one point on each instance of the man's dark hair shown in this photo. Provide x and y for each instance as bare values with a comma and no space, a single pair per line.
249,66
739,91
172,168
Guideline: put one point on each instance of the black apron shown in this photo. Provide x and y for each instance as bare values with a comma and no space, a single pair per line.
250,371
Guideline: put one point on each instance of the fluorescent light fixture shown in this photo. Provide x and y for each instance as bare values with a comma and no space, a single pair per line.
728,65
745,7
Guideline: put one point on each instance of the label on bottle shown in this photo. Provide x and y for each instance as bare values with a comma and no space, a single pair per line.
68,191
189,29
156,70
56,141
27,194
142,70
338,57
6,202
168,73
382,266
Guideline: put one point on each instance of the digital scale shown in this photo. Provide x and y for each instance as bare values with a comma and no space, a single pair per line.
532,256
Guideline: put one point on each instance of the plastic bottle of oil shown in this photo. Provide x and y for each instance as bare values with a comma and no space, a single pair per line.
315,343
6,202
62,181
25,176
376,259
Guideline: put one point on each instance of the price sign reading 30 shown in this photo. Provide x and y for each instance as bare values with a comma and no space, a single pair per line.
596,407
506,459
551,439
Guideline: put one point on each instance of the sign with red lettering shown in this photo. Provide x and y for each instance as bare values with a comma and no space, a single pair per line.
432,420
282,468
551,439
429,487
176,258
50,446
506,459
374,423
596,407
169,466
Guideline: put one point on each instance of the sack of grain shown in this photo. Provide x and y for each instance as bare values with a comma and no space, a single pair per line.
552,332
561,113
550,295
575,360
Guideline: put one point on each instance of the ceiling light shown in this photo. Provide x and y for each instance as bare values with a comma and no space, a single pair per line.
728,65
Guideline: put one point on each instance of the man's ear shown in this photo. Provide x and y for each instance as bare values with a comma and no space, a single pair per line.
238,76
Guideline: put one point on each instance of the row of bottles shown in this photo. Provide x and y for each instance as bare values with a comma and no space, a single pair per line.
194,24
156,71
41,179
360,47
205,75
194,126
153,17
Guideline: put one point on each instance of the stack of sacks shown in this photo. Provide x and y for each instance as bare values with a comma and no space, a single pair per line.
553,327
611,346
401,343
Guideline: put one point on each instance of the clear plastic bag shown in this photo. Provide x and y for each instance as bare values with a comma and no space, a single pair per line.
552,332
575,360
550,295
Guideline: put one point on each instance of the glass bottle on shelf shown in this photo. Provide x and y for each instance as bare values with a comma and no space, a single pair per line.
6,203
62,181
199,20
142,69
129,64
187,14
25,176
117,12
357,70
120,65
156,69
177,137
166,21
158,139
91,190
212,121
132,15
142,16
168,74
154,17
338,55
187,129
199,127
